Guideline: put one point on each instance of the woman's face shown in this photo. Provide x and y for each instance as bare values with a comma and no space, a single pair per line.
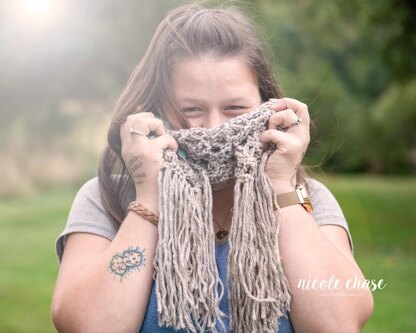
211,91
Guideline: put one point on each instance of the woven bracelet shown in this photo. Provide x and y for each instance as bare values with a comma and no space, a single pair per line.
139,209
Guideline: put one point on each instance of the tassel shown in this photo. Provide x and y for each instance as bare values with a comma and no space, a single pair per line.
255,281
185,268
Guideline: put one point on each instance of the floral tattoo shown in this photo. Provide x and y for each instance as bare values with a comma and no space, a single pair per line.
122,264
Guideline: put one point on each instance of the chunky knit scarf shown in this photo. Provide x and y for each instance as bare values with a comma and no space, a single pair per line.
187,280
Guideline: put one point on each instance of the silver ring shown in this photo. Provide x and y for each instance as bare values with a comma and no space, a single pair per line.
296,123
134,131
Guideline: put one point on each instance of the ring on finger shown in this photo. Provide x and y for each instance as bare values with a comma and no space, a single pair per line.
296,123
134,131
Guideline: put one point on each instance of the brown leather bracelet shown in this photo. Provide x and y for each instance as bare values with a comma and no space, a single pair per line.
139,209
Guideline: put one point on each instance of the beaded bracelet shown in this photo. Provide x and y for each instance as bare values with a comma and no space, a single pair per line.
139,209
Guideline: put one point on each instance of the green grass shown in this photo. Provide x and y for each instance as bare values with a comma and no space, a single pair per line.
379,212
29,266
382,221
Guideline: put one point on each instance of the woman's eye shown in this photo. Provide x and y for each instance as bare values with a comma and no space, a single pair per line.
190,110
235,107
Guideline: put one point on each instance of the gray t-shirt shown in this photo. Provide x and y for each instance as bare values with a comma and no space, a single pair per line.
88,215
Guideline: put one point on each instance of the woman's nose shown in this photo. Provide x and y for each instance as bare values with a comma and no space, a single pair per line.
214,118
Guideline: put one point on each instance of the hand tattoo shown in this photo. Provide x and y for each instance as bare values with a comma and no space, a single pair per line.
133,166
130,260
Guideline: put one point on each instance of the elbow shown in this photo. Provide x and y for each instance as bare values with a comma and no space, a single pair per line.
67,320
355,321
350,319
59,317
64,319
366,309
363,311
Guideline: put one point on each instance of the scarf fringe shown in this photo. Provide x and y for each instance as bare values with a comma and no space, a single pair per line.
259,291
185,269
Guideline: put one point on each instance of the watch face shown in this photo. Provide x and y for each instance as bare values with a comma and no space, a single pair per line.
302,193
304,197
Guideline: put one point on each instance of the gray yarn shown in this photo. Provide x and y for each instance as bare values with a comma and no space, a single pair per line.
186,274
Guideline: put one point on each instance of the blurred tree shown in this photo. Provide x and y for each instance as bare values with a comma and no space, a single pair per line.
336,56
351,61
393,135
395,23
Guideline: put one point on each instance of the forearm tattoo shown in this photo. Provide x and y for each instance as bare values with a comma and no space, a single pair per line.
122,264
134,166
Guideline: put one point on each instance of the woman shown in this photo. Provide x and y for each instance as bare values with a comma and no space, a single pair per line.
204,70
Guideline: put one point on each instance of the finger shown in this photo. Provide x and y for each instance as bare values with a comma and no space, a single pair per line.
301,109
145,125
285,118
282,140
133,117
166,141
272,136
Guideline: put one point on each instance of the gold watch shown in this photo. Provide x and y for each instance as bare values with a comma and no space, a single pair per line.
299,196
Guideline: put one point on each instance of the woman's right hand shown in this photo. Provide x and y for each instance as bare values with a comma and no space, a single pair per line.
142,156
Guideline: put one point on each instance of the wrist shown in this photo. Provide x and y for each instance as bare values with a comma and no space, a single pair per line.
144,212
149,200
282,186
151,192
286,195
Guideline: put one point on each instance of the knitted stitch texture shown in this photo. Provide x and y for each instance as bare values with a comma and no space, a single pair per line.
188,286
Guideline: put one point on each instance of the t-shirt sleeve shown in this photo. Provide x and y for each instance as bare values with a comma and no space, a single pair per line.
326,209
86,215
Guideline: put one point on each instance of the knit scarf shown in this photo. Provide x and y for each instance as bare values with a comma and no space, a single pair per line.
188,286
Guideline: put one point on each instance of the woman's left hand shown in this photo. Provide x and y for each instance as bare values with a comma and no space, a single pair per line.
291,146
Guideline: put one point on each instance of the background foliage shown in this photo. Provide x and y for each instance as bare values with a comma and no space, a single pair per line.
351,61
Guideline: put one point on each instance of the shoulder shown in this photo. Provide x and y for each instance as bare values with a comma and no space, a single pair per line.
323,201
88,208
87,215
90,189
316,186
322,198
87,202
326,209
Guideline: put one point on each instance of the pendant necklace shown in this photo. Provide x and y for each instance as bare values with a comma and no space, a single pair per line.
222,233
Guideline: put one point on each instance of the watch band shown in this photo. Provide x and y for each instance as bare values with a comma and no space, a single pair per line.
287,199
298,196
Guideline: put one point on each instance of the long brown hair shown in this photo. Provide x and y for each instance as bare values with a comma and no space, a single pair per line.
187,31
